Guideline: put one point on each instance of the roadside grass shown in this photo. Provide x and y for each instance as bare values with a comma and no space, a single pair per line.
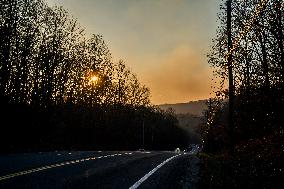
257,164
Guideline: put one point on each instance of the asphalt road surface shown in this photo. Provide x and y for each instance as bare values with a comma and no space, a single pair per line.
97,169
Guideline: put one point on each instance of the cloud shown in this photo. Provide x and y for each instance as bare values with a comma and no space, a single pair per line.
179,76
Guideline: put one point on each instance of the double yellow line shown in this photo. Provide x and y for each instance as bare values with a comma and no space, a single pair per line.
21,173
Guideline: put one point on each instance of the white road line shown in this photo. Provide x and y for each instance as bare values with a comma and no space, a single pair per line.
137,184
12,175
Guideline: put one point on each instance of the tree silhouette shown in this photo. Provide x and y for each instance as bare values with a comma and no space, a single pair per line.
257,67
61,89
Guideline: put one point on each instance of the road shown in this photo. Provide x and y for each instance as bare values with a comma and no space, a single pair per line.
96,169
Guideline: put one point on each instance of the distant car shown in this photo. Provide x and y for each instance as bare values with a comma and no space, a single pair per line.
177,150
194,148
141,150
188,149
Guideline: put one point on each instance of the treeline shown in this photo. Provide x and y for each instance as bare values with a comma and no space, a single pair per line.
60,88
258,84
258,69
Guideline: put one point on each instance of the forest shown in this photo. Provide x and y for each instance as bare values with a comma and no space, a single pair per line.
60,88
247,56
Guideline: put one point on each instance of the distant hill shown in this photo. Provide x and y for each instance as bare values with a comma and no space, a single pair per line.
194,107
189,116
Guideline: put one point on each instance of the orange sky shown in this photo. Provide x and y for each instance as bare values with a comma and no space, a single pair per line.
163,41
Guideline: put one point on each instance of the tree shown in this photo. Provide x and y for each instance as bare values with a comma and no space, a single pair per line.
256,49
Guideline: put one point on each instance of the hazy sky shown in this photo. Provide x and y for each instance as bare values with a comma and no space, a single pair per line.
163,41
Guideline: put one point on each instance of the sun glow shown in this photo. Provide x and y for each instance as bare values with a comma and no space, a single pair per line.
94,79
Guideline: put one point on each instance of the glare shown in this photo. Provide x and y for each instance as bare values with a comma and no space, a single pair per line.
94,79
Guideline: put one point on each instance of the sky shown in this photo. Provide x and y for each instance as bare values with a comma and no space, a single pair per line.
164,42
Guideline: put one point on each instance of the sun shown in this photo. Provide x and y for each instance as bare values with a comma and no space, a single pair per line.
94,79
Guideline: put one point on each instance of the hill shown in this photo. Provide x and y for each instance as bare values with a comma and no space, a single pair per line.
194,107
189,116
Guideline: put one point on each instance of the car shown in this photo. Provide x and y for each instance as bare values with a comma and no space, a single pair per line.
189,148
141,150
177,150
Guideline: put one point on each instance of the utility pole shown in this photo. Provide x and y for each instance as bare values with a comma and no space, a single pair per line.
119,92
210,105
143,137
231,78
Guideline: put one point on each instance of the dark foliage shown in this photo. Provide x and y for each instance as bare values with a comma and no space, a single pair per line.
72,127
257,161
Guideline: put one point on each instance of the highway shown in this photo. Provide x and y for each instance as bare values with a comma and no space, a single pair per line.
97,169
